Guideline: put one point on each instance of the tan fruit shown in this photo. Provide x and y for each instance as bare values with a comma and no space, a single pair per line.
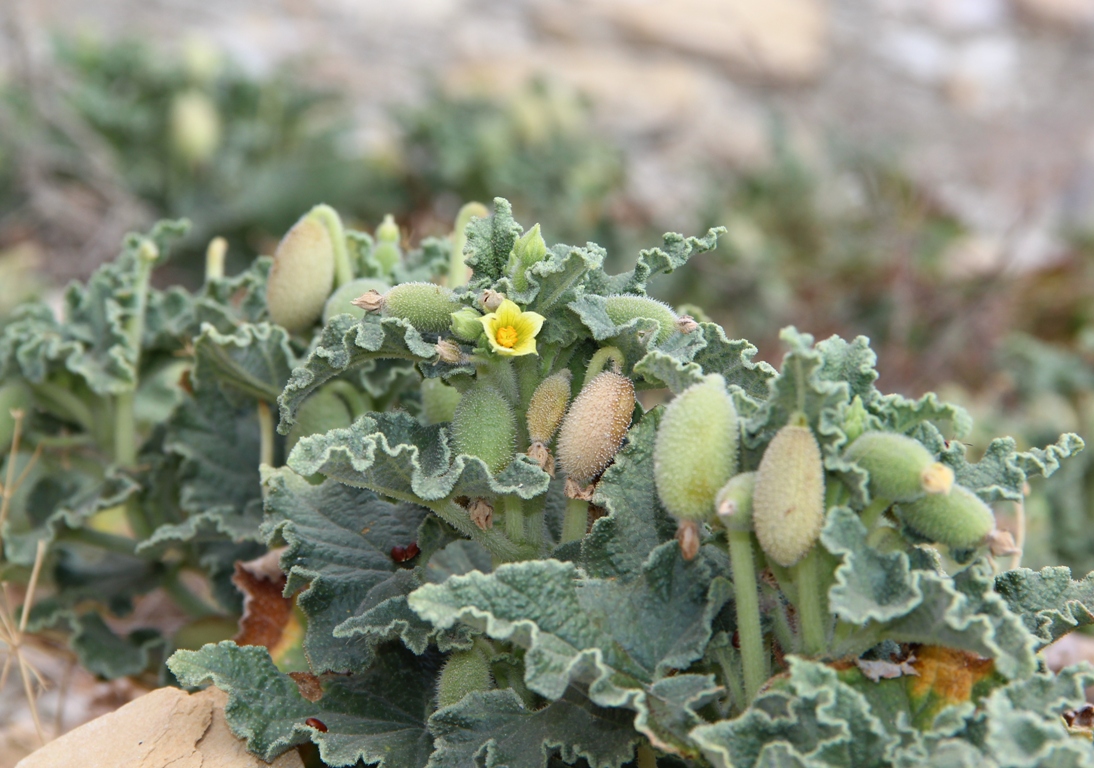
594,427
302,276
788,496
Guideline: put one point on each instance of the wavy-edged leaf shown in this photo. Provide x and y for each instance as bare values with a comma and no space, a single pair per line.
1049,601
104,653
557,279
253,363
490,240
347,343
713,352
378,717
579,628
674,252
494,728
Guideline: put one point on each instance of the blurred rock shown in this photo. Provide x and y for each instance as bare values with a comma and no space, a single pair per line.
166,727
1067,13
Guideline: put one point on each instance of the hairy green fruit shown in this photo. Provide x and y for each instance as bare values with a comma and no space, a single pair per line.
624,308
341,301
426,306
464,671
320,413
485,426
788,498
302,276
595,425
548,406
439,401
387,251
900,468
733,502
696,449
957,519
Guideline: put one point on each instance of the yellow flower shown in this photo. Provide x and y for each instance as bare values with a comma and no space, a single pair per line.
510,331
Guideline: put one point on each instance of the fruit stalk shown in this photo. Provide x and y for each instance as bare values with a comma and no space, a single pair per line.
746,594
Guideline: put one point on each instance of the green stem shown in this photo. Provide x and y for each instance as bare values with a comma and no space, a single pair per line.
514,517
123,545
65,404
184,598
575,520
214,259
534,511
600,358
726,656
496,542
332,222
266,434
457,267
645,757
873,512
812,611
745,591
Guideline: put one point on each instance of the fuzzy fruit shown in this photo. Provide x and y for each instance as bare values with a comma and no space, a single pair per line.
696,449
733,502
341,301
958,519
788,498
595,425
625,307
900,468
320,413
302,276
439,401
548,406
464,671
426,306
485,426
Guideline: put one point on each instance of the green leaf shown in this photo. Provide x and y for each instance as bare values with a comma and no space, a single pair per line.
346,344
378,717
107,655
253,363
1050,603
490,240
712,353
557,279
339,545
494,728
576,627
816,721
226,302
652,262
670,713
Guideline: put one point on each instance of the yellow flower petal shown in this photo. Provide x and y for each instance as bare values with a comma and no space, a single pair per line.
510,331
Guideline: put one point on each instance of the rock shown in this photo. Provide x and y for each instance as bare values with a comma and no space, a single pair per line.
1065,13
166,727
782,41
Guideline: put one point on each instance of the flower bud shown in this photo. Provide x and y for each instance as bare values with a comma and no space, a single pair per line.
625,307
958,519
439,401
301,277
530,249
320,413
425,306
900,467
548,406
341,302
464,671
595,425
485,426
387,252
466,324
788,496
491,299
855,421
733,503
696,449
449,352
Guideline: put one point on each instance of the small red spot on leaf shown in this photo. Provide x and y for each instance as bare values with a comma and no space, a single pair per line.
401,554
316,723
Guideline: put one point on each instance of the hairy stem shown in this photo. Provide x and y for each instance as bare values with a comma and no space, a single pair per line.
873,512
123,545
745,592
514,517
600,358
266,434
457,267
497,543
329,218
575,520
812,610
727,659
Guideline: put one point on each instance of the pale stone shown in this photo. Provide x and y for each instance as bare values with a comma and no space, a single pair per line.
166,727
777,40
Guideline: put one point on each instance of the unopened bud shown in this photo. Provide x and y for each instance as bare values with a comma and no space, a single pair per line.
491,299
734,502
466,324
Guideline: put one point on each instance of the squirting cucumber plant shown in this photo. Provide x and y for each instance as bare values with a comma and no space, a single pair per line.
497,555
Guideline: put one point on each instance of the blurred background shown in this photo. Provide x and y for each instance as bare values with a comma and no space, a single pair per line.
917,171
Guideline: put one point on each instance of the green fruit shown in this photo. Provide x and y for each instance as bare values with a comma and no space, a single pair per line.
485,426
439,401
788,498
341,301
301,277
624,308
733,502
319,414
548,406
464,671
958,519
14,396
387,251
900,468
594,426
467,324
696,449
426,306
